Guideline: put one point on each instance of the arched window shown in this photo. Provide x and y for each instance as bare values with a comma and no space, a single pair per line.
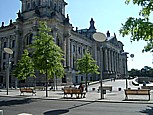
64,79
28,39
58,41
39,3
33,4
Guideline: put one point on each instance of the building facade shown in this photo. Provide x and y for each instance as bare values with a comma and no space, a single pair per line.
17,35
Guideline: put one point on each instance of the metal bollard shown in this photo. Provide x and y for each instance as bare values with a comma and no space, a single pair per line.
1,112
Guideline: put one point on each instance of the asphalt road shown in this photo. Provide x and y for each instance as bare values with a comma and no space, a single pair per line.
14,106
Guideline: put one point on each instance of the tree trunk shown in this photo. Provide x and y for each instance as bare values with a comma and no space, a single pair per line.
86,82
46,83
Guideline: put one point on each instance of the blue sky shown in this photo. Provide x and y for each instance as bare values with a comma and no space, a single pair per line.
107,14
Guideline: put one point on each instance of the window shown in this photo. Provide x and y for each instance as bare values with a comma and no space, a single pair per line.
81,78
60,9
84,51
64,79
29,39
13,43
73,48
39,2
58,42
4,55
76,79
28,6
54,7
33,4
13,55
79,50
51,4
3,65
12,64
5,44
73,62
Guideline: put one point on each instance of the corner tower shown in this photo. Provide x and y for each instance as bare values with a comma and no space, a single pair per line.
43,8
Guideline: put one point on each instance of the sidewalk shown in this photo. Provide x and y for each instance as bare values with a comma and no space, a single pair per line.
114,96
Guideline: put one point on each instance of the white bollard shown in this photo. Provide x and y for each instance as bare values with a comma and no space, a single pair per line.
1,112
24,114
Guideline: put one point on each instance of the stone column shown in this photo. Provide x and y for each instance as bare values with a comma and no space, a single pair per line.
115,62
112,60
106,60
102,59
109,59
71,54
30,4
68,52
118,62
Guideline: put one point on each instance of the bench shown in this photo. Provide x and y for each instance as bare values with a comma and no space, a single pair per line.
75,91
42,88
27,90
147,87
137,92
106,87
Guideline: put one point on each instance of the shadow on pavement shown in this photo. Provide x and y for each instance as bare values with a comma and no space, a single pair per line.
146,100
62,111
15,102
148,111
56,112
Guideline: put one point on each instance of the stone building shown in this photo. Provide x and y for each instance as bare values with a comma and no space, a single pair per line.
17,35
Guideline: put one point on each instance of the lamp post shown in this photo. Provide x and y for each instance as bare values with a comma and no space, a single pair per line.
100,37
125,68
8,51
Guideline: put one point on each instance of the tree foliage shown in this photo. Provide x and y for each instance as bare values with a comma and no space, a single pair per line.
25,67
140,28
144,72
46,54
86,65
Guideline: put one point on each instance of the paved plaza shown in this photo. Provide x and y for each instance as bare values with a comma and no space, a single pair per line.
92,95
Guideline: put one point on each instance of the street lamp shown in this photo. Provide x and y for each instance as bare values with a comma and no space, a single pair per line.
8,51
100,37
125,68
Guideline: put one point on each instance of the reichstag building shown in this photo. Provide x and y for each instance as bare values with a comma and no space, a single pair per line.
73,41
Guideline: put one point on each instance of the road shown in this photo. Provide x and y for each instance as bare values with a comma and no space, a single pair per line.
14,106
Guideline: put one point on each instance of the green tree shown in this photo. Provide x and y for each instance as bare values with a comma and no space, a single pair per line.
134,72
25,67
86,65
47,56
140,28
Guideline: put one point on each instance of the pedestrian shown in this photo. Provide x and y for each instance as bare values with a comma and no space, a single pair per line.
114,79
144,83
81,87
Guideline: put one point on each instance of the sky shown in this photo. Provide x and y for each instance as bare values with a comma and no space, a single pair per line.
107,14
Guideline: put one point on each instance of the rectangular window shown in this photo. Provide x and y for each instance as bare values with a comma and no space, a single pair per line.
13,55
3,65
12,64
13,43
83,51
73,48
81,78
5,45
4,55
79,50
